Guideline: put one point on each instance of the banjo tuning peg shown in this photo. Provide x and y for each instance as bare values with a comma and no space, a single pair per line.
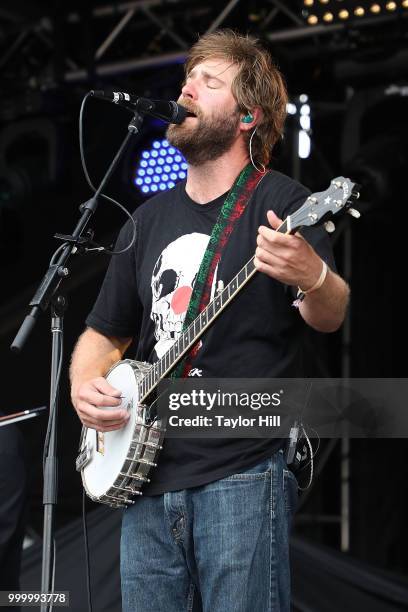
354,213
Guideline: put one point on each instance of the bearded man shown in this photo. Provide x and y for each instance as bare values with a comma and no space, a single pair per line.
213,523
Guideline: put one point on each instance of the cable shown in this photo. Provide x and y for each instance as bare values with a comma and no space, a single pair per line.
54,256
311,460
313,454
51,421
53,572
88,179
53,400
88,570
262,170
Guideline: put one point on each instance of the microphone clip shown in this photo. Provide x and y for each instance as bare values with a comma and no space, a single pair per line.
83,244
136,122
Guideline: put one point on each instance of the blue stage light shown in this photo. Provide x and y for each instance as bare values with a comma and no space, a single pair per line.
159,168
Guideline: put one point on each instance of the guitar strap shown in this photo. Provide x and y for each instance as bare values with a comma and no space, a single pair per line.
233,207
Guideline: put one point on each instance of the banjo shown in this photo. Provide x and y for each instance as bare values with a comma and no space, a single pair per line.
114,465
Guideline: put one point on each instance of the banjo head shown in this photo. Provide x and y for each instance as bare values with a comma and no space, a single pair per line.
109,450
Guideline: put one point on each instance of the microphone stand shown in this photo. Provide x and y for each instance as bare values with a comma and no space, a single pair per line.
47,293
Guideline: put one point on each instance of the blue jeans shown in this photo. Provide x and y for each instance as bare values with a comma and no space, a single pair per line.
226,543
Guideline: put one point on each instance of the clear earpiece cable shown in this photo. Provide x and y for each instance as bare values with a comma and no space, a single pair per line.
263,170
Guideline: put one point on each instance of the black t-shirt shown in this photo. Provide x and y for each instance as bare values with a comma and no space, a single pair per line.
259,335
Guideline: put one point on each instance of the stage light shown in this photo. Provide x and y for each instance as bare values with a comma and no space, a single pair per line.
305,122
302,127
304,144
327,12
308,2
291,108
160,168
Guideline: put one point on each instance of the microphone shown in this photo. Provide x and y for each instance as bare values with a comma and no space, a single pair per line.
168,111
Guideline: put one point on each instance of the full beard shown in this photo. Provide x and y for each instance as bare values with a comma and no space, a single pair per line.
206,141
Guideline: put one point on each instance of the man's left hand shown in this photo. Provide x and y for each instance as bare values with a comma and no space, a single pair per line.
286,257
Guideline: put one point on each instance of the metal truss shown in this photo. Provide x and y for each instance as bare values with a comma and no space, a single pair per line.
280,24
155,14
117,50
164,27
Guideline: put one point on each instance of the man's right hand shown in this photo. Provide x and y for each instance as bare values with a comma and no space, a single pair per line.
96,403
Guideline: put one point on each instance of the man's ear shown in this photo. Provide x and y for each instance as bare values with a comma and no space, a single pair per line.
250,119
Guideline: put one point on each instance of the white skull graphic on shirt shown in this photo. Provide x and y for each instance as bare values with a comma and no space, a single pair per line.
172,283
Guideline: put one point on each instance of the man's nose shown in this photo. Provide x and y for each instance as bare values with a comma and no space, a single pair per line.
189,91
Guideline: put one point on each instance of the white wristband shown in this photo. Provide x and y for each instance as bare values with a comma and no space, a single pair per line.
302,292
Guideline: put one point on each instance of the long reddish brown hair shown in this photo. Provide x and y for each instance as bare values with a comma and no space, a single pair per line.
258,83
